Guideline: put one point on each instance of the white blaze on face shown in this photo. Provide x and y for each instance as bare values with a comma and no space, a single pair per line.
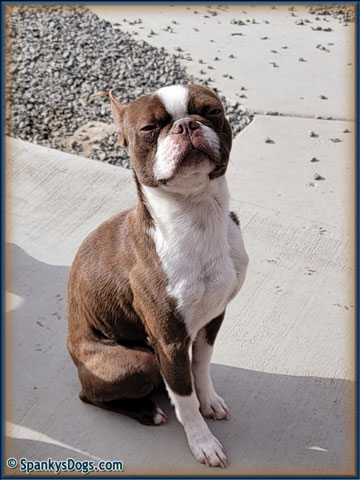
175,99
169,149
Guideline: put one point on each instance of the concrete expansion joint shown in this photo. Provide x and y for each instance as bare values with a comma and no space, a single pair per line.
334,118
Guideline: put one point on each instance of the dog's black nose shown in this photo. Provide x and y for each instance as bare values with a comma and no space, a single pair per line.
184,126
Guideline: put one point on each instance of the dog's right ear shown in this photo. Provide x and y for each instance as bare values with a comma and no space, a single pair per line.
118,113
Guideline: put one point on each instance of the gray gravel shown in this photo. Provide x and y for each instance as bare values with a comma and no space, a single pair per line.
344,13
58,56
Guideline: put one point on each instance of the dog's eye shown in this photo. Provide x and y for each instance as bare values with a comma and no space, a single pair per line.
148,128
215,111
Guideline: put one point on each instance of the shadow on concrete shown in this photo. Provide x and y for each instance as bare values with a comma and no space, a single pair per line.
280,424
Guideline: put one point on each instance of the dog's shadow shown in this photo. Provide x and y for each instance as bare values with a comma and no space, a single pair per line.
280,424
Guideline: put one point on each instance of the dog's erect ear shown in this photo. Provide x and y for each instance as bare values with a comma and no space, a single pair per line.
118,114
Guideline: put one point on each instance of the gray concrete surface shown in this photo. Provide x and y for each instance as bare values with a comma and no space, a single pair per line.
281,175
293,87
283,360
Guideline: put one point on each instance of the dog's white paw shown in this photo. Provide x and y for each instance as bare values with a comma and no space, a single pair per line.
208,450
214,407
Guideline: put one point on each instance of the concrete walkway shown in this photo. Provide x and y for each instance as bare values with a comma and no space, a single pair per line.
248,40
284,359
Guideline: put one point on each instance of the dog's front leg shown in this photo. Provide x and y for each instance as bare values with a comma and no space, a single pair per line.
211,404
176,370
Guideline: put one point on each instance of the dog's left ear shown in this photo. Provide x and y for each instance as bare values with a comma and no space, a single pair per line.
118,114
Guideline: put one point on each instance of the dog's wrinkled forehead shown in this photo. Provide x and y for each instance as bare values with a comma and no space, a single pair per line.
177,101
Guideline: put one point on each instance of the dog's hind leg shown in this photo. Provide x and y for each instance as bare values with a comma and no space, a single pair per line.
141,409
120,379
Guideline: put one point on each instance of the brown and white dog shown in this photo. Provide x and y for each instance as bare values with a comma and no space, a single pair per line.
148,288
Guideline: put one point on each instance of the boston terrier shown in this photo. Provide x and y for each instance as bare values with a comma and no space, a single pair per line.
148,288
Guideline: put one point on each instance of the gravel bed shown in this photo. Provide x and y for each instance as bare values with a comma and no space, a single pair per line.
344,13
57,56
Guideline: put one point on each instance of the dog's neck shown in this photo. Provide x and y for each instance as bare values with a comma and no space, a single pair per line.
187,219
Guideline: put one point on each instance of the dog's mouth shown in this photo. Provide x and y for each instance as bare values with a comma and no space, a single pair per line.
191,161
192,158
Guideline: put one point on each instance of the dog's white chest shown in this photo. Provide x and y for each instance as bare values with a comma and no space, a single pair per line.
202,289
199,247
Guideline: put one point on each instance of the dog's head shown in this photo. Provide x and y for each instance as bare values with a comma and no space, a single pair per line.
178,136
